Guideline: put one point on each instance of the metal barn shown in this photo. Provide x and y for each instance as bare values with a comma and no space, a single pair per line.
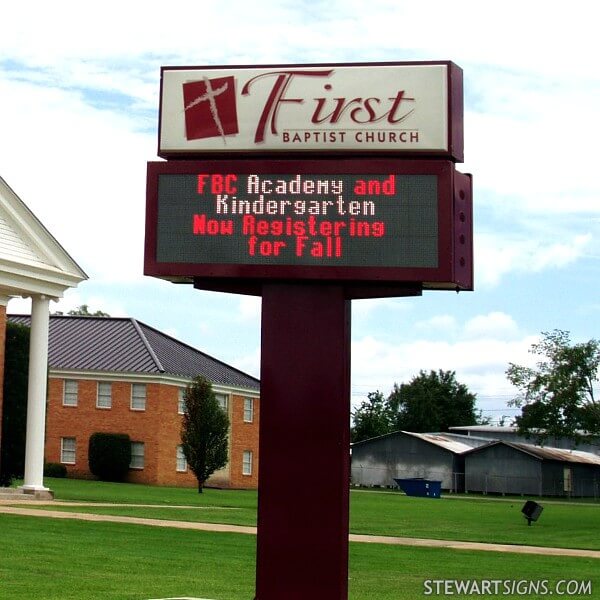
586,443
401,454
512,468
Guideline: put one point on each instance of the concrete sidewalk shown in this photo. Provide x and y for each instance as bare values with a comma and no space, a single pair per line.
223,528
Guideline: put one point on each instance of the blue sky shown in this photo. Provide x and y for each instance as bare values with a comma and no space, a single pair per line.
78,122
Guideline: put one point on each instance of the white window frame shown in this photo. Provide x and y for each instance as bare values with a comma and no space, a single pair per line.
68,455
248,410
138,456
106,402
137,403
223,400
182,465
70,395
181,401
247,458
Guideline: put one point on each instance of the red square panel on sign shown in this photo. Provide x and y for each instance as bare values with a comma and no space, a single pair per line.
210,108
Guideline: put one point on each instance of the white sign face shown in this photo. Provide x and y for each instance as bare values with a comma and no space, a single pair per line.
356,108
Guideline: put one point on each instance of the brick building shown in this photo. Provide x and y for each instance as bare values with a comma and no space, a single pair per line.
119,375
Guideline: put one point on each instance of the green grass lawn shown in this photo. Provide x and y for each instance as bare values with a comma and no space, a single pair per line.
131,493
487,519
53,559
64,560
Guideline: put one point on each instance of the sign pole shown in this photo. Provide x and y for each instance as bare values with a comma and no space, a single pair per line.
304,472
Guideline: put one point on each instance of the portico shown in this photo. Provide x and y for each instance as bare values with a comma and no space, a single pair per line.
32,265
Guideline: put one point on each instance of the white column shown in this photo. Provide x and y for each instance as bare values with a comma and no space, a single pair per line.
36,397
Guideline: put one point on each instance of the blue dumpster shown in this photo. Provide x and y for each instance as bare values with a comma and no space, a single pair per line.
418,486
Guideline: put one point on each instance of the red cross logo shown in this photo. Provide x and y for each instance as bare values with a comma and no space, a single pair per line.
210,108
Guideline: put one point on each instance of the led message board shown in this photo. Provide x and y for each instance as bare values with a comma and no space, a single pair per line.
358,221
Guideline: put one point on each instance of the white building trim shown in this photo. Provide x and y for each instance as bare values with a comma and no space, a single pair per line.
162,378
33,264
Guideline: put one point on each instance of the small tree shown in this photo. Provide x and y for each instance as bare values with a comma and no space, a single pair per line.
204,431
109,455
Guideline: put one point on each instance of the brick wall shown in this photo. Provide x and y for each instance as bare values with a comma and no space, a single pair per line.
244,437
158,426
81,421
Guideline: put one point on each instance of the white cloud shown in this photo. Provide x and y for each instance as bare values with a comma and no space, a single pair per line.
532,163
480,358
499,255
187,32
376,307
87,180
439,324
495,325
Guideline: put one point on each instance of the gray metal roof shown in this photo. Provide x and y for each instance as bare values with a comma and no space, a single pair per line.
470,440
547,453
125,345
437,439
485,428
443,441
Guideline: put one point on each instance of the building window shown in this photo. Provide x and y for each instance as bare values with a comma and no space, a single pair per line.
137,455
223,401
70,392
67,450
138,396
248,410
182,466
104,397
247,463
181,401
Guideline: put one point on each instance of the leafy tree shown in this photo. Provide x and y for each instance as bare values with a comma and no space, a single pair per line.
556,396
204,431
371,418
14,413
432,401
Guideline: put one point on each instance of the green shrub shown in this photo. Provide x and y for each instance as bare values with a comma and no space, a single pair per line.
55,470
109,455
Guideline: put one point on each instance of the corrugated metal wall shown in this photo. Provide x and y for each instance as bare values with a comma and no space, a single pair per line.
381,460
502,470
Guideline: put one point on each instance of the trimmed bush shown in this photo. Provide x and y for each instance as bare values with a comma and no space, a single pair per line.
109,455
55,470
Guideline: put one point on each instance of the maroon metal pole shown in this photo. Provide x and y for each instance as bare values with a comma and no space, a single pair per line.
304,460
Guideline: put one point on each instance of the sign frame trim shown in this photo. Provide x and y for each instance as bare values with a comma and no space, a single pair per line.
455,116
444,273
